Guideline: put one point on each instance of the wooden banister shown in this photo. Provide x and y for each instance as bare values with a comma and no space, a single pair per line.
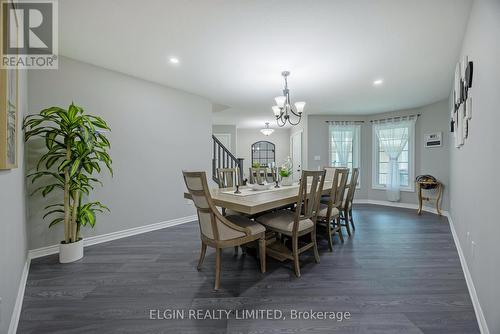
223,158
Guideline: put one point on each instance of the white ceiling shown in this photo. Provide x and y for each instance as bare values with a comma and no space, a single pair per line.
233,51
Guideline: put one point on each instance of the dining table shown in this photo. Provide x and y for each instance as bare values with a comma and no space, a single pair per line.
253,202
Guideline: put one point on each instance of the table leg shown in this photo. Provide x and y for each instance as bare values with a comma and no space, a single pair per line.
419,191
438,199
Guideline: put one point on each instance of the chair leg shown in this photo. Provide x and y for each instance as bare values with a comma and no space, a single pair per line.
329,236
236,250
295,251
218,252
352,220
316,253
347,227
262,254
338,228
202,254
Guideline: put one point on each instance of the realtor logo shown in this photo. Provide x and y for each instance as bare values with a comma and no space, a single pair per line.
29,34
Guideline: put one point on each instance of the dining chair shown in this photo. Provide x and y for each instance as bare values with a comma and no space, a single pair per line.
298,223
258,175
330,173
346,209
220,231
229,177
329,214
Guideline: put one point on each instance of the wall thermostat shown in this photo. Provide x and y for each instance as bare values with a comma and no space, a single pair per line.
434,139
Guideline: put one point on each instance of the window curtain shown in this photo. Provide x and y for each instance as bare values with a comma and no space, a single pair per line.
393,136
341,140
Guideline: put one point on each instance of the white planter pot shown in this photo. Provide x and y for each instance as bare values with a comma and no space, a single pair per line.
71,252
286,181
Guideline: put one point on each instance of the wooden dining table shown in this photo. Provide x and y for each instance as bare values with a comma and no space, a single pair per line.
257,201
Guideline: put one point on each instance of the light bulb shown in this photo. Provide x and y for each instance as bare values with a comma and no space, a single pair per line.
280,101
300,107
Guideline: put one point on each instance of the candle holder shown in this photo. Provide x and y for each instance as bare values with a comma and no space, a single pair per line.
276,171
237,191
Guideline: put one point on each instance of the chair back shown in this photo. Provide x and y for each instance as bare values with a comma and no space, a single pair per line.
337,193
229,177
330,173
310,190
213,225
258,175
352,187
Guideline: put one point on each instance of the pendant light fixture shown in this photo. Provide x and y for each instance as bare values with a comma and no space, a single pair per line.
284,111
267,131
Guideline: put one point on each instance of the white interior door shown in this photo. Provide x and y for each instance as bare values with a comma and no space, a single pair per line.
296,154
225,139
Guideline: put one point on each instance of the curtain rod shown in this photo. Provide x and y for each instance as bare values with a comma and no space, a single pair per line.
395,117
355,122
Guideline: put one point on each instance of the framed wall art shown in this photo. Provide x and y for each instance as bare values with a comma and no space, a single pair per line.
9,104
461,113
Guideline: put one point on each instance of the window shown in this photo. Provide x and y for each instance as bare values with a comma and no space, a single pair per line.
405,160
344,143
263,153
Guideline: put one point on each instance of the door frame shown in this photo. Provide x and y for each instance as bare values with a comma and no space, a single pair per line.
227,135
299,133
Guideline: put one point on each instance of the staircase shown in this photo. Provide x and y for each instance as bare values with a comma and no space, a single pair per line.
223,158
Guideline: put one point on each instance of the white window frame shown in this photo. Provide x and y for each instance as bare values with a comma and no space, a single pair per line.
411,161
356,151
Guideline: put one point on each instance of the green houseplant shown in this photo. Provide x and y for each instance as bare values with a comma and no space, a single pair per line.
76,150
286,172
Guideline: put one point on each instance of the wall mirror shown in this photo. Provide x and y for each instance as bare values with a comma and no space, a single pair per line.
263,153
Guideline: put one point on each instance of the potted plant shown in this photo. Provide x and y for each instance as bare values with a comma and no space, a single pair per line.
286,173
77,149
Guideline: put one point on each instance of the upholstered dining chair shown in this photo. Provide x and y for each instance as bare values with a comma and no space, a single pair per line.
218,231
346,209
329,214
298,223
229,177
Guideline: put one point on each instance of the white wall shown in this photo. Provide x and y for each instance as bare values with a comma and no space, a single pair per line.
13,236
156,133
246,137
475,180
229,129
434,161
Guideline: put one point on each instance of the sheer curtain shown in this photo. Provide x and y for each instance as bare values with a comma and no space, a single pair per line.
393,136
341,141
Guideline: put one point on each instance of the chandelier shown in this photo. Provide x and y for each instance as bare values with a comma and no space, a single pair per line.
267,130
283,110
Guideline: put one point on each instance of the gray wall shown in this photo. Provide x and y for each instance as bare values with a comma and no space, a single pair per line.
231,129
474,167
156,133
246,137
435,161
13,237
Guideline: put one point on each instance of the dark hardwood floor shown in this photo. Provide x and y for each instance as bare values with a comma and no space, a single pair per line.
399,273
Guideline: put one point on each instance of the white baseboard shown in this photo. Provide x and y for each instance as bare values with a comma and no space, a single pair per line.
399,205
98,239
481,320
16,313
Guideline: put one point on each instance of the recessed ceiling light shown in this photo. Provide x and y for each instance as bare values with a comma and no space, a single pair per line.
174,60
378,82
